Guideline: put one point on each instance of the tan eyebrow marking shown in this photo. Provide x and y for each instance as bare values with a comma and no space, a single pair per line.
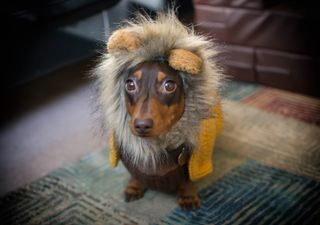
161,76
138,74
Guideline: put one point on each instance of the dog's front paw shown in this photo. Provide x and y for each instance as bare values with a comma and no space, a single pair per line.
132,194
134,191
189,202
188,197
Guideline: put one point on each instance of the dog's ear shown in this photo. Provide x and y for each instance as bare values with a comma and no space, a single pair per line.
123,40
185,61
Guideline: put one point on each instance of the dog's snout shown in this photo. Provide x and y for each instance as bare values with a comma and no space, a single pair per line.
143,126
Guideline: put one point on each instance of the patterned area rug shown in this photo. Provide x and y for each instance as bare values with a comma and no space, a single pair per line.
255,194
267,171
288,104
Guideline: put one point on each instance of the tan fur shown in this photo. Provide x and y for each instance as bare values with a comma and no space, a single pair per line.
186,61
138,74
165,116
161,76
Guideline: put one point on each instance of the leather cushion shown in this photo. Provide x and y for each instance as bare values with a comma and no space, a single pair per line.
272,68
280,28
238,62
253,4
293,72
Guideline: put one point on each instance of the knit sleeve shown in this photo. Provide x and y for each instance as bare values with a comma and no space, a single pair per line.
114,154
200,163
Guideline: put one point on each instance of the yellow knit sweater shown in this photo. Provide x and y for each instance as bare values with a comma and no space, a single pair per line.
200,163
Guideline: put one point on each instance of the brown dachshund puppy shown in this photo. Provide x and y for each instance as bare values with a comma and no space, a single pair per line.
158,90
155,102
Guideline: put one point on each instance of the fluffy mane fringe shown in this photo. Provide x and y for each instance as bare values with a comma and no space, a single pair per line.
158,36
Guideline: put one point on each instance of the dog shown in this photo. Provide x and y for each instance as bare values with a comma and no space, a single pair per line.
158,88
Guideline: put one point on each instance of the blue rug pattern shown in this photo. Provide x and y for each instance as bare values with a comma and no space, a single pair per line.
255,194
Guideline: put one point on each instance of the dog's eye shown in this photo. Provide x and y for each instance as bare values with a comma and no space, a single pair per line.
131,86
170,86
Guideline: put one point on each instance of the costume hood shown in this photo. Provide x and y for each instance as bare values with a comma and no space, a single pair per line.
165,38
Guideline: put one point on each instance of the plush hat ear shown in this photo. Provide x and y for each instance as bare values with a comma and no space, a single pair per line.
186,61
123,40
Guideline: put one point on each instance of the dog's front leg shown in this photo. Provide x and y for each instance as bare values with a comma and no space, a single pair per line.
134,190
188,197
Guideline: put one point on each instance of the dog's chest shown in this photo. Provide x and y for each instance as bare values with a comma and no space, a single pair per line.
166,176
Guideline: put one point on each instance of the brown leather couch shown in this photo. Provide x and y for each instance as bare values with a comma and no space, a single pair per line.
271,42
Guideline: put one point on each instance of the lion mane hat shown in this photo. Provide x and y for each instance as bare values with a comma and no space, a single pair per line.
163,38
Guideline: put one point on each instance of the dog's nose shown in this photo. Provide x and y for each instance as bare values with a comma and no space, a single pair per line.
143,126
